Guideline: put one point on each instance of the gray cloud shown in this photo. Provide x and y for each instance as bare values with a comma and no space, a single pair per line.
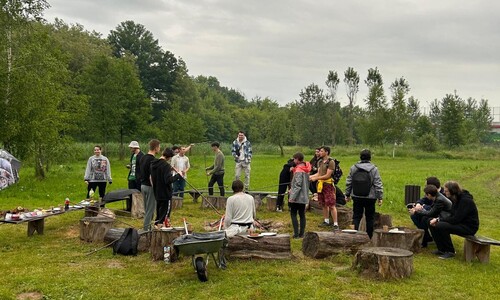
276,48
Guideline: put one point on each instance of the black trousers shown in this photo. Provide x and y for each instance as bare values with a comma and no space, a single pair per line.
300,209
94,186
442,232
163,209
220,182
366,206
281,194
422,222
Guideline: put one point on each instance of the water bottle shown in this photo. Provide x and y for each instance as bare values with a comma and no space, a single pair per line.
166,254
66,204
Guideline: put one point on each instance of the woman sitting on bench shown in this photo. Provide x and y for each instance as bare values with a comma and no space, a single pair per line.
464,220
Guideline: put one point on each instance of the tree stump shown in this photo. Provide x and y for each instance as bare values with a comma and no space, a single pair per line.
177,202
137,210
379,221
404,238
322,244
271,202
266,247
218,202
344,214
258,201
383,262
91,211
162,238
93,229
114,234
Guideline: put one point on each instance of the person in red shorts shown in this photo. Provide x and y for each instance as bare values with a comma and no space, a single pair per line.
325,187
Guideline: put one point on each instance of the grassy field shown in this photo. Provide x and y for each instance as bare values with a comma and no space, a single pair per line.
56,265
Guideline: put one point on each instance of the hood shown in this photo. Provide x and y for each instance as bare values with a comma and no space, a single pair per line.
157,163
244,140
306,167
367,166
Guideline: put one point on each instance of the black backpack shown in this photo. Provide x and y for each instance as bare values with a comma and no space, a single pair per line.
361,182
127,243
337,173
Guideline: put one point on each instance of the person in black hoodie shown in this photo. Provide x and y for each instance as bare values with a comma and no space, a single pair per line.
162,177
464,220
284,183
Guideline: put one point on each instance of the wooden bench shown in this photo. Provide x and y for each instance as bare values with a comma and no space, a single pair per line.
37,224
478,246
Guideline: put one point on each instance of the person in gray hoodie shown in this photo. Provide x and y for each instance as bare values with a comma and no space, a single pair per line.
299,194
365,187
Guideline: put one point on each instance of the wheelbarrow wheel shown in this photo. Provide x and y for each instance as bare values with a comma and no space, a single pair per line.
201,269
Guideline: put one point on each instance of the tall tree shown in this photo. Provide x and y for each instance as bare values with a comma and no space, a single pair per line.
373,127
351,80
452,121
332,82
399,113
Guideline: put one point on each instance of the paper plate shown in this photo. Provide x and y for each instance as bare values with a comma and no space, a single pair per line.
349,231
255,236
268,234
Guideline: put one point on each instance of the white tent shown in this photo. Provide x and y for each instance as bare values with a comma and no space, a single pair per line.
9,169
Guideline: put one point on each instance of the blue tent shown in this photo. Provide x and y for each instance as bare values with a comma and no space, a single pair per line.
9,169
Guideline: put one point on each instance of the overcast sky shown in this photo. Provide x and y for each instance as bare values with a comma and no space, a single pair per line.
276,48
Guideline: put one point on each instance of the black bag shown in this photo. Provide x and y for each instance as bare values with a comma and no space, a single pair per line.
361,182
337,173
340,196
127,244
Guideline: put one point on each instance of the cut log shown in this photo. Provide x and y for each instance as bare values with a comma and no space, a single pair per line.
258,201
404,238
114,234
266,247
271,202
137,206
218,202
177,202
162,238
93,229
321,244
344,214
379,221
384,262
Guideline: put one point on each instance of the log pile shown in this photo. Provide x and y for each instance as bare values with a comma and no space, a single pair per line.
322,244
266,247
384,263
404,238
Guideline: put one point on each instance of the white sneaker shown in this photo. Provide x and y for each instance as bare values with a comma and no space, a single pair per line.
279,209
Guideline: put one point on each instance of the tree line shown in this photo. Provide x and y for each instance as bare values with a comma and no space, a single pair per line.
61,83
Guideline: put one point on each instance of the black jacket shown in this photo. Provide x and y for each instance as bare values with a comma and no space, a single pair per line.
464,211
162,178
145,168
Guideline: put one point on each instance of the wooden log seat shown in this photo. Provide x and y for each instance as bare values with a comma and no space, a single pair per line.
478,246
114,234
266,247
383,262
344,214
177,202
379,221
161,238
321,244
93,229
271,202
137,210
405,238
218,202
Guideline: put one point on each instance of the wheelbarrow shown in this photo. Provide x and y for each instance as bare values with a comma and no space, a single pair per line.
200,246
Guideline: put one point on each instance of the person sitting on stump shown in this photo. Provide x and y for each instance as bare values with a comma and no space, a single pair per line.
240,210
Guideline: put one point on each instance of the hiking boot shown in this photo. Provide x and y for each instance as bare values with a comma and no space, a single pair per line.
324,224
437,252
447,255
336,227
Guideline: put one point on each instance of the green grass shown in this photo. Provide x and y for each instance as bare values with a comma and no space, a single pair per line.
56,265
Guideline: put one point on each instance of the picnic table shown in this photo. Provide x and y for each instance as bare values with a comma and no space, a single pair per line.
37,223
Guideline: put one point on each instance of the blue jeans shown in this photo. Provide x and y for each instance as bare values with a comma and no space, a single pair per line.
178,187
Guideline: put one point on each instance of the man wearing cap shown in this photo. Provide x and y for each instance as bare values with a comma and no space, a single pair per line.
134,182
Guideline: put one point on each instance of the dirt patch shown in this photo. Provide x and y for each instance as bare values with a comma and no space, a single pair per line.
115,265
30,296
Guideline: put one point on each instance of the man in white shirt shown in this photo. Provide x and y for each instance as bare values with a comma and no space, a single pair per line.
181,163
240,211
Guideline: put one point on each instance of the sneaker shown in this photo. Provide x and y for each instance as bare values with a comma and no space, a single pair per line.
335,227
447,255
437,252
278,209
324,224
315,197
